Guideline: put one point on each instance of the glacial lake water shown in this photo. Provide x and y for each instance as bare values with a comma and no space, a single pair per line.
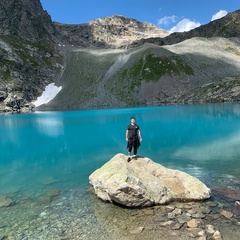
203,140
59,150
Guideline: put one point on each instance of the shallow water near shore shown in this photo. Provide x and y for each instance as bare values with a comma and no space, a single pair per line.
47,151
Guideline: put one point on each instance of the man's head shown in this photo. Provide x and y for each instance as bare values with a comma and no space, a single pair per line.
133,120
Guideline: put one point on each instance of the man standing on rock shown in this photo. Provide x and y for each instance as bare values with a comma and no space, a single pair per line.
133,138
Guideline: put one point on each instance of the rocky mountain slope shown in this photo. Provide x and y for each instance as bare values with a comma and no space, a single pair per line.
28,53
112,61
110,32
146,75
26,19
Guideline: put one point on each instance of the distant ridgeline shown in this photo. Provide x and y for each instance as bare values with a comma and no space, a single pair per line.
113,61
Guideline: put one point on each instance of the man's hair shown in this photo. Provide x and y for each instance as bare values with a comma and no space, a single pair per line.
133,118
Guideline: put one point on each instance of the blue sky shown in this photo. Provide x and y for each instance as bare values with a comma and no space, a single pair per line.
171,15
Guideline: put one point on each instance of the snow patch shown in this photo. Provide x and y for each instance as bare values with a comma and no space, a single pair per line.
48,94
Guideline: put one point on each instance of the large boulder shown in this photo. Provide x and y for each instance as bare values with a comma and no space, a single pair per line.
142,182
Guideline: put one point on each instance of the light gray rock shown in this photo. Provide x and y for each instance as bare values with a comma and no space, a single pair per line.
217,236
142,182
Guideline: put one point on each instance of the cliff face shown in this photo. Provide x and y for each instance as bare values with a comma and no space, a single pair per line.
25,18
28,53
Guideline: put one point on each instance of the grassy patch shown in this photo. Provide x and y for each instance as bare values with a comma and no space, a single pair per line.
152,68
149,68
6,75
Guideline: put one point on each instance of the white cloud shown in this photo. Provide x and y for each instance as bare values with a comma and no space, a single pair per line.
184,26
220,14
167,20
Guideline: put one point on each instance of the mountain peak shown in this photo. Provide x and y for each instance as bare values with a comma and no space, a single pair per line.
25,18
115,31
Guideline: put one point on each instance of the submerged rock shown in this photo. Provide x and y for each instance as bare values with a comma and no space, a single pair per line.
48,180
53,192
142,182
5,201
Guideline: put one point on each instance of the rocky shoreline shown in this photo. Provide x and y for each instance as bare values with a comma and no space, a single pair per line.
225,91
77,214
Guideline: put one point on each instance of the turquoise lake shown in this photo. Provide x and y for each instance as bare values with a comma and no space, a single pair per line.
44,153
64,148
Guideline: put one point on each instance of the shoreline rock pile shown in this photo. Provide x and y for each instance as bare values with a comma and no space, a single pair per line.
77,214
